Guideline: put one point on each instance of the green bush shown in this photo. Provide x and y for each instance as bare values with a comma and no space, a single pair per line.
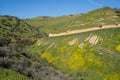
6,74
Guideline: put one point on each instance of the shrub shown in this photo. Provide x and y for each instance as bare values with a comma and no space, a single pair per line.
18,59
3,42
5,62
118,48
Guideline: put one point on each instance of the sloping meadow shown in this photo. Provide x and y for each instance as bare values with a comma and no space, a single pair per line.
87,56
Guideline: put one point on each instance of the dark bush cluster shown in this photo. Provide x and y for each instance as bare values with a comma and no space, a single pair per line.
31,65
4,42
117,11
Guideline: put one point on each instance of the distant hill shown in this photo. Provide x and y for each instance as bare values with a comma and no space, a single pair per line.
13,29
102,16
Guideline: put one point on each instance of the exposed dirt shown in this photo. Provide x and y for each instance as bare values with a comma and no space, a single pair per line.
93,39
84,30
72,42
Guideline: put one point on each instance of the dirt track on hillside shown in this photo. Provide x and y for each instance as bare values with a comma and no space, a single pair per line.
84,30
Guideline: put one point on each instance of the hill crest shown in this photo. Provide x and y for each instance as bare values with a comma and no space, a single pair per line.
102,16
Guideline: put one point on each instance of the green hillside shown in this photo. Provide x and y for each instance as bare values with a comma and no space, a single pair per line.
11,75
15,36
13,29
92,55
27,52
102,16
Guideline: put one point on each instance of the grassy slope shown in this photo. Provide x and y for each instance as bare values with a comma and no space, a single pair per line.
12,29
11,75
92,62
94,18
15,36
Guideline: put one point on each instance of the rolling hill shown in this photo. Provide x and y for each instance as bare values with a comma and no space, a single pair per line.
91,55
15,60
13,29
102,16
91,51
